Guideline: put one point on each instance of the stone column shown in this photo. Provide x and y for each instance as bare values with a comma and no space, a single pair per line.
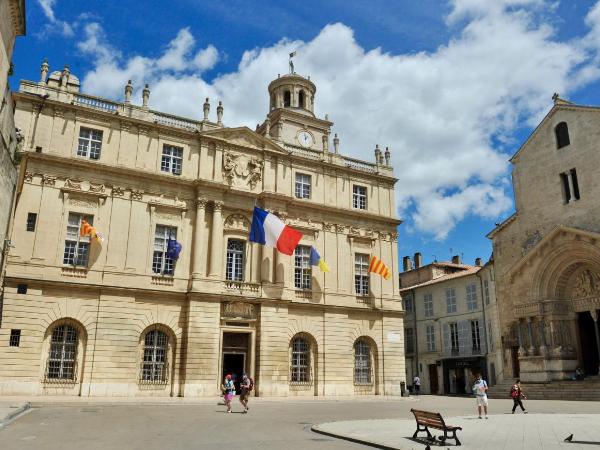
199,260
543,347
531,349
216,241
596,316
520,338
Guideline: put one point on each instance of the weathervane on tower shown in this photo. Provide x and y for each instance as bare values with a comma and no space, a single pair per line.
292,62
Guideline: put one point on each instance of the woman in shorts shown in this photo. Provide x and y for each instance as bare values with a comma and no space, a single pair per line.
228,389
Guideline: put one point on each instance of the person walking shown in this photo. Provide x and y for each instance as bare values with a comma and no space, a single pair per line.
228,389
245,389
516,392
417,384
480,390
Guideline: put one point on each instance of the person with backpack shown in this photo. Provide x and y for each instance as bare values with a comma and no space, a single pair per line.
228,389
517,394
480,390
246,388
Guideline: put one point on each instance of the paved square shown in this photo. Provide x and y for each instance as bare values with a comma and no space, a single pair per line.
150,424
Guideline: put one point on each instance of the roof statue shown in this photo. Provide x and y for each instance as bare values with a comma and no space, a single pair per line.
292,62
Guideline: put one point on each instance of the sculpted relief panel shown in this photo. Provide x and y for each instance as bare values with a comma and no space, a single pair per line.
238,310
242,170
587,284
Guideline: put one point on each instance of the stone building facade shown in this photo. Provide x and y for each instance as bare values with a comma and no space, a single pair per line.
122,318
12,24
449,328
547,254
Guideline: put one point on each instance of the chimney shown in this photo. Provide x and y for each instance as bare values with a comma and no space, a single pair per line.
418,259
478,261
456,259
406,263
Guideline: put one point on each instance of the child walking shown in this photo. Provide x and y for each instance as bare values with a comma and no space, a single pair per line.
517,394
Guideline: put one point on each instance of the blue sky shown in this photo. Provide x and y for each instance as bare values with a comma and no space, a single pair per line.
453,87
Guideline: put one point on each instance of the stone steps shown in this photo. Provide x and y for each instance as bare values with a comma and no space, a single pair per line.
588,389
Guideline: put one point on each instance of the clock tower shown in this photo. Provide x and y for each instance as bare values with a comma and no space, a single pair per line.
291,119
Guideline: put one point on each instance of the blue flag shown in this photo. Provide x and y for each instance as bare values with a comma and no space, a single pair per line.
173,248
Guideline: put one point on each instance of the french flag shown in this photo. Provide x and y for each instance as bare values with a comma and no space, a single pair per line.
267,229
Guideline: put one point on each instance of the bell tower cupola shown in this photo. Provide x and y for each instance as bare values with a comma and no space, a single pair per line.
291,119
292,91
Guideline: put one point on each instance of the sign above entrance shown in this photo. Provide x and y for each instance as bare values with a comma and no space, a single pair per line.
234,310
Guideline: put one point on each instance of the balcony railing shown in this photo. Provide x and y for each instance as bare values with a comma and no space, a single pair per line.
96,103
359,165
174,121
241,287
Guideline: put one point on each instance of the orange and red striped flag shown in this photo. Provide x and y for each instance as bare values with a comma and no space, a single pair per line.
377,266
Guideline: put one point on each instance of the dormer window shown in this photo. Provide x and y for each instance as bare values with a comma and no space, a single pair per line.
301,99
287,99
561,131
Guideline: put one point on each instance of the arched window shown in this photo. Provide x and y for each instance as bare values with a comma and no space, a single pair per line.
300,366
301,99
362,362
287,98
63,353
154,365
562,135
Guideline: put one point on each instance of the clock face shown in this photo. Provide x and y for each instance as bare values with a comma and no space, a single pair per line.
305,139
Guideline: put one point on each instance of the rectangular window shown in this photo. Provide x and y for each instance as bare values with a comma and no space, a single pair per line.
361,274
161,263
15,338
76,247
430,338
410,341
408,303
573,173
486,291
303,183
471,297
234,271
475,337
31,220
302,268
564,178
451,300
428,305
172,159
359,197
490,337
90,143
454,338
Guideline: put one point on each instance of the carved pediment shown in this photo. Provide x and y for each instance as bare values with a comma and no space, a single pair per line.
244,137
242,170
237,222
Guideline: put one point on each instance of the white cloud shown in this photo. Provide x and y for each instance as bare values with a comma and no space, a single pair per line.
442,113
55,25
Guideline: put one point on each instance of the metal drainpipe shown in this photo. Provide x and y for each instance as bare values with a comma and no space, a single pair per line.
484,322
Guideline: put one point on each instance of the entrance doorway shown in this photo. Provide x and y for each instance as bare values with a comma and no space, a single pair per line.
433,380
235,357
587,343
514,356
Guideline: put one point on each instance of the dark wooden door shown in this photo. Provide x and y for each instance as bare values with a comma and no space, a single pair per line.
433,379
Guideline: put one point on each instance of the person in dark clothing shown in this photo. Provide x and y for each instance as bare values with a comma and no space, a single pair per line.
517,394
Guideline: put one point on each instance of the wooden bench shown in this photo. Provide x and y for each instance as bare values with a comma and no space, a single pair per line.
428,419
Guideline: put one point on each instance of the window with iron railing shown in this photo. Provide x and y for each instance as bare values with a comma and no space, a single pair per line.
154,364
300,363
63,353
362,362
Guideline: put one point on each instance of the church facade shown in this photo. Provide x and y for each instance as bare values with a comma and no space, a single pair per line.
123,317
547,254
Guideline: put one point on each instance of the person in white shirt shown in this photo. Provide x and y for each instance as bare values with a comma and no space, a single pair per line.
417,384
480,390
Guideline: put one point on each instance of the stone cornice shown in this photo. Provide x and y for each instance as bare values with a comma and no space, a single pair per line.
17,16
218,188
